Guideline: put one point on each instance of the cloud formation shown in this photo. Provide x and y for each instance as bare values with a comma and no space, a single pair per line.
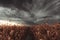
30,11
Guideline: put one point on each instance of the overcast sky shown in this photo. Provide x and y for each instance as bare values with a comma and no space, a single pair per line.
29,11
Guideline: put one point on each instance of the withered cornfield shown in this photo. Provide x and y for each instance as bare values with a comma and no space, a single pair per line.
37,19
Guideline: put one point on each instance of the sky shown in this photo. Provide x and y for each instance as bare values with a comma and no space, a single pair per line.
29,11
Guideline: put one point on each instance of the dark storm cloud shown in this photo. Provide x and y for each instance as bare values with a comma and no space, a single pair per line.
15,10
30,11
46,9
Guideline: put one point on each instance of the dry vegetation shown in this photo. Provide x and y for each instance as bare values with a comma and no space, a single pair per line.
46,32
12,32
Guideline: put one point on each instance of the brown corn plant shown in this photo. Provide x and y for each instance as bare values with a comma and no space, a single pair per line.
14,32
45,31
